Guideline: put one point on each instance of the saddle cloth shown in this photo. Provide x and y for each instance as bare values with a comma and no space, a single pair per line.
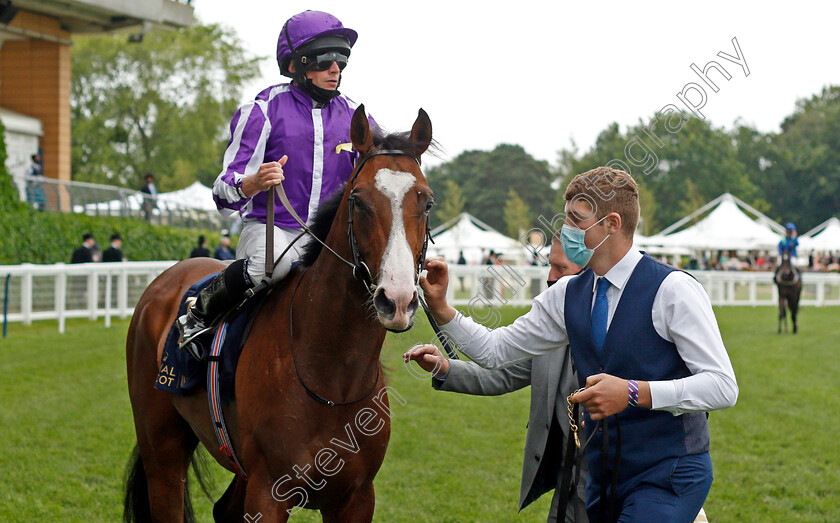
182,374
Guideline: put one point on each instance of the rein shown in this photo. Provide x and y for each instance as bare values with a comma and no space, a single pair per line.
309,391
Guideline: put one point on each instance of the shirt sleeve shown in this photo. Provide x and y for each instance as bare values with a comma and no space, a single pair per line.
682,314
540,331
249,131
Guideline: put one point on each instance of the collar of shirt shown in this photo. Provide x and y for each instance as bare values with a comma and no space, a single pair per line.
621,271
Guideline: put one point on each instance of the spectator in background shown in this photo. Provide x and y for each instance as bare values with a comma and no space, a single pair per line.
201,251
461,261
150,195
114,252
224,251
84,253
34,190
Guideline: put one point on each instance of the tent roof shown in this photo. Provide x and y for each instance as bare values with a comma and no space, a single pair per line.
725,227
196,196
823,237
466,233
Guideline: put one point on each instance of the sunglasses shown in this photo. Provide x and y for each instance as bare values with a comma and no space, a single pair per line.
322,62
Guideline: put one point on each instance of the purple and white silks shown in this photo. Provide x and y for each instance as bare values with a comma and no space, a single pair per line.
284,120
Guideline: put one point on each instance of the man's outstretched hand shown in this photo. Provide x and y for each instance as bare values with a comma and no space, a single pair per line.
429,358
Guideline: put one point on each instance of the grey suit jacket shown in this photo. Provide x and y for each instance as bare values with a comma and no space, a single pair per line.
552,379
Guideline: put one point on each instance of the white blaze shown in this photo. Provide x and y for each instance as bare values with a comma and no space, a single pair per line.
397,272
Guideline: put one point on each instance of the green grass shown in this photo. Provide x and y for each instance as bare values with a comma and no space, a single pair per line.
66,430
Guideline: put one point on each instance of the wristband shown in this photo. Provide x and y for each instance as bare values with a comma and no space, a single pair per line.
239,190
633,398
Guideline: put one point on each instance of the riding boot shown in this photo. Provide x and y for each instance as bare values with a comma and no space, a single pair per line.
226,291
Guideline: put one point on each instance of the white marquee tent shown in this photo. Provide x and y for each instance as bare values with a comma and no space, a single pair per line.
475,238
823,237
197,196
726,227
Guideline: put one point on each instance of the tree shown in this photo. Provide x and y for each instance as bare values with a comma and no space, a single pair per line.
803,184
687,168
162,105
453,202
518,217
485,177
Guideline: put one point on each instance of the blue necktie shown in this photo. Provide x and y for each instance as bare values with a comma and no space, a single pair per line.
599,314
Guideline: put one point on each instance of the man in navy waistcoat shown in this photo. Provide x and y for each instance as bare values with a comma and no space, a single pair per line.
647,349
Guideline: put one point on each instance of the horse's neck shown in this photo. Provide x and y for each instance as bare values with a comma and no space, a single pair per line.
336,340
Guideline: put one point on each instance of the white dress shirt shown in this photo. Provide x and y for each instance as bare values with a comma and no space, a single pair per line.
682,314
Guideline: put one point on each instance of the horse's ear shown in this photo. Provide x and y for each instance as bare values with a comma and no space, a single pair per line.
360,132
421,132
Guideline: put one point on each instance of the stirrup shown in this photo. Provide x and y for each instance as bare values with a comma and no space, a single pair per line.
193,348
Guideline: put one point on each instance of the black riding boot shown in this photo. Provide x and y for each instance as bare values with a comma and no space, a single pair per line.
227,290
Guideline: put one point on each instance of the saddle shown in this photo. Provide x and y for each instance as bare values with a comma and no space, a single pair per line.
182,374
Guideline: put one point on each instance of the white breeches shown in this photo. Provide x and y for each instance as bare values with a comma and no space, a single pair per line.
251,246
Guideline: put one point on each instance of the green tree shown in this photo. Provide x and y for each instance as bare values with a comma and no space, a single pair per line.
485,177
518,217
802,183
687,168
453,202
162,105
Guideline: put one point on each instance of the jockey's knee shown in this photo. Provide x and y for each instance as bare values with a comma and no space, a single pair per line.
256,269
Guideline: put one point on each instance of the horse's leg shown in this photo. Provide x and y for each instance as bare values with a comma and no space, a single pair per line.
260,505
794,308
165,440
166,443
781,312
358,508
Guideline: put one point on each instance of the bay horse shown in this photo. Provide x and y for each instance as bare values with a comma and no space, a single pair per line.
789,283
310,420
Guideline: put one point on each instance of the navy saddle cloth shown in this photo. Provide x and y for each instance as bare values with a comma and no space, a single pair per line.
182,374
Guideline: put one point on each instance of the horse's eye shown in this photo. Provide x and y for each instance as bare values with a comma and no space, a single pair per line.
429,205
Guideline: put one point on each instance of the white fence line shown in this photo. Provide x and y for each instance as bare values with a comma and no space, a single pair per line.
94,290
517,285
83,290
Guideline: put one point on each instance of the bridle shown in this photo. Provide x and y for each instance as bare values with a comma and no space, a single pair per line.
361,271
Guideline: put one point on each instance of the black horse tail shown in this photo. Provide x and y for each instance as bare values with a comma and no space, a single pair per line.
136,507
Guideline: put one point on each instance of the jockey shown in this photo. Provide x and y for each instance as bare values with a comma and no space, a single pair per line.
788,245
298,132
790,242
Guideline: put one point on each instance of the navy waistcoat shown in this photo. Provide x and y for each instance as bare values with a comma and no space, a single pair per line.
632,350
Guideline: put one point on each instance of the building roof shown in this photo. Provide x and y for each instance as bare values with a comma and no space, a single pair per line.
96,16
20,123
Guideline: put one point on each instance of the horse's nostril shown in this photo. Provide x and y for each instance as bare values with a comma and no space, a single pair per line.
412,305
384,305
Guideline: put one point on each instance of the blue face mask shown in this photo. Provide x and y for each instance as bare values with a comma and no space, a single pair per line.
572,239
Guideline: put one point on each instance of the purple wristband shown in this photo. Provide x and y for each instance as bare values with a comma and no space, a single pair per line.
633,398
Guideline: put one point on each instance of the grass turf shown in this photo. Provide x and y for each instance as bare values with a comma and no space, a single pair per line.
67,430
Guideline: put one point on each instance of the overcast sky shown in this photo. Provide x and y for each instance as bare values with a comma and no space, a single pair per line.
540,74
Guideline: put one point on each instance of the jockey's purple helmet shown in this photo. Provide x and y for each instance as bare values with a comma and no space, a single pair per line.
305,27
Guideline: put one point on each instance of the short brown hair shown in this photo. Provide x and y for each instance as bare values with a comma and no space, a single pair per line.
606,190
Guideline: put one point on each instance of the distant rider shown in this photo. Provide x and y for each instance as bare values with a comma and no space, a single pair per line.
788,246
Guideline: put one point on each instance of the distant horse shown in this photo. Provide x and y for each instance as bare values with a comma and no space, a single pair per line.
310,420
789,282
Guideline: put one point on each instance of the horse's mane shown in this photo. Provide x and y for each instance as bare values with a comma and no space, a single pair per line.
325,216
321,225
